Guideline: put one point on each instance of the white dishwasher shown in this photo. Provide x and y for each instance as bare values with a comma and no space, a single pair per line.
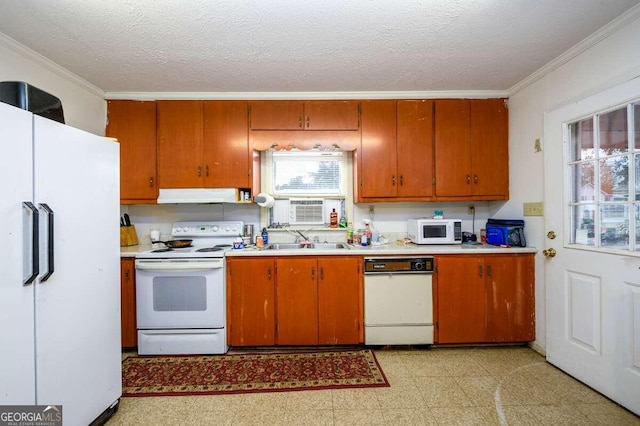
398,300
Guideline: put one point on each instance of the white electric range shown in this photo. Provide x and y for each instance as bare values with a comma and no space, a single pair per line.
181,292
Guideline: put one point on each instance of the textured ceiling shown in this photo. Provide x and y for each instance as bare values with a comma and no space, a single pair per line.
304,46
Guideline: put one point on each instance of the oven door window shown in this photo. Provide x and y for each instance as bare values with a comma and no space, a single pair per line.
179,294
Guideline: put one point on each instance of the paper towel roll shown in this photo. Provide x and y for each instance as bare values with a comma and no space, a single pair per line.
264,200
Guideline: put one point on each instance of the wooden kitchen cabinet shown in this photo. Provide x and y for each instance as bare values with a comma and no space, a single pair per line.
297,300
291,300
377,158
226,145
471,149
304,115
180,144
128,326
251,301
396,158
485,299
133,123
340,301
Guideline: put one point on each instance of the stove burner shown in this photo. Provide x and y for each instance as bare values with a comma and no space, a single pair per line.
207,249
161,250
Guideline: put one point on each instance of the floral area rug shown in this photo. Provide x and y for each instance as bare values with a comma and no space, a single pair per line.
251,372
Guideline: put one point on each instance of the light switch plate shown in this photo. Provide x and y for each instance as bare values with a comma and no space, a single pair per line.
533,209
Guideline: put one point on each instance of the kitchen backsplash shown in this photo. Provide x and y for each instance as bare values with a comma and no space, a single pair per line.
389,218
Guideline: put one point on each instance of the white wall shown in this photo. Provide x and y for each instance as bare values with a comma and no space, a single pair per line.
609,62
84,105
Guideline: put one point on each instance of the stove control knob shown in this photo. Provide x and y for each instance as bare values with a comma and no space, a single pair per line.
419,266
227,228
214,228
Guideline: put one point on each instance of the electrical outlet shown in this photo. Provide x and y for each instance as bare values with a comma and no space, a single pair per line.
537,146
371,211
533,209
471,209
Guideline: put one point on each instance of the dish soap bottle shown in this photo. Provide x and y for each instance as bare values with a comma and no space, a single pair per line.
265,236
333,219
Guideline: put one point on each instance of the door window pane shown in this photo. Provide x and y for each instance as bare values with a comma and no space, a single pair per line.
582,140
614,132
614,178
636,125
614,228
583,178
583,219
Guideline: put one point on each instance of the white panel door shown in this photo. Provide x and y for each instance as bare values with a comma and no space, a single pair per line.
592,297
17,376
78,308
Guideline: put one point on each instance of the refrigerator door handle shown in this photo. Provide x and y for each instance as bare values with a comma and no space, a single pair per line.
50,248
35,250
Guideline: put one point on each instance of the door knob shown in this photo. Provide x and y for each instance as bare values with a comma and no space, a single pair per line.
551,235
549,252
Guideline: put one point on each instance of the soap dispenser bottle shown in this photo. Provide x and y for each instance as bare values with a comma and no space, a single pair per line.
265,236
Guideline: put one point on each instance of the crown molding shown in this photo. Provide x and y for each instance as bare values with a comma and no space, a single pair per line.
48,64
148,96
595,38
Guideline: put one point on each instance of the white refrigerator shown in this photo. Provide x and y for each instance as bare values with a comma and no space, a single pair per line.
59,267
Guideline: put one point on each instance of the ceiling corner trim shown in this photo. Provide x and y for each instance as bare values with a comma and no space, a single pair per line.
149,96
48,64
604,32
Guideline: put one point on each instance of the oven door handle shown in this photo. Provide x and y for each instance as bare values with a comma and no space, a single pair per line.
179,265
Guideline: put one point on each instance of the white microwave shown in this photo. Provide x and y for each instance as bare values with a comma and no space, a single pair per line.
435,231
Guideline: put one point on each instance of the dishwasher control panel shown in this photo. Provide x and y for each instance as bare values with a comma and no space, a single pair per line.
388,265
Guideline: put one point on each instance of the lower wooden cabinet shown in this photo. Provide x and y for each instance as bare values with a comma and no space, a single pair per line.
129,331
294,300
485,298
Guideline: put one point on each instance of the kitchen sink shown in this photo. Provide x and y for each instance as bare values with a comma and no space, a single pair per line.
295,246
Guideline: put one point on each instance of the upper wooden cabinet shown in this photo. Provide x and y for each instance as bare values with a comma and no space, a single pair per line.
203,144
133,123
180,144
304,115
395,162
226,145
377,165
471,149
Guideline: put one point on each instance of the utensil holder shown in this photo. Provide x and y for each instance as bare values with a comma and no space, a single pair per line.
128,236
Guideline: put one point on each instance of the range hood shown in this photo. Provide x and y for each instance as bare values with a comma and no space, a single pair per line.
197,195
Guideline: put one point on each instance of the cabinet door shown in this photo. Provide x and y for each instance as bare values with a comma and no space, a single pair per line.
340,301
250,301
226,144
277,115
415,148
331,115
297,301
129,332
180,144
461,299
377,167
133,123
452,147
510,298
490,147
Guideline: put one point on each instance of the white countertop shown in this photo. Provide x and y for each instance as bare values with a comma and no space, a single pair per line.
391,249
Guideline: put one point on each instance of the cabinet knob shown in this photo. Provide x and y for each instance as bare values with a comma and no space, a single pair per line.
468,178
480,271
199,171
269,273
489,271
206,170
393,180
300,122
308,121
151,182
401,180
475,178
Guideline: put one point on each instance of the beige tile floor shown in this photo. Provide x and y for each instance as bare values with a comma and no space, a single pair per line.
438,386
